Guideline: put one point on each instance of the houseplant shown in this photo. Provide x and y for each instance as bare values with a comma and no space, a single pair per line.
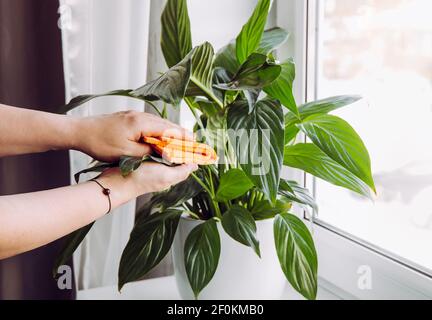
238,97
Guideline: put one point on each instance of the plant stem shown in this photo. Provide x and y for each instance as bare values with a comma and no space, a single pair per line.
197,118
252,199
155,108
211,194
165,111
200,182
215,202
193,215
209,93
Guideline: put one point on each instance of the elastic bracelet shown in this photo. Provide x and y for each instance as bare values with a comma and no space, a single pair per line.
106,192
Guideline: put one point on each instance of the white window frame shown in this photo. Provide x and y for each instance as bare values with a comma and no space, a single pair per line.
344,260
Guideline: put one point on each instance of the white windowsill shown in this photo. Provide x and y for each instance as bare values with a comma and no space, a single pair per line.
165,289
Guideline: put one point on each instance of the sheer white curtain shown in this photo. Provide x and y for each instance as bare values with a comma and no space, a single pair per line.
105,46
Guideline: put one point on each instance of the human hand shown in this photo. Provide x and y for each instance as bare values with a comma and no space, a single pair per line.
150,177
108,137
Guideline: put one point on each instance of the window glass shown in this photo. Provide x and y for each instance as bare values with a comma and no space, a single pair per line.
382,50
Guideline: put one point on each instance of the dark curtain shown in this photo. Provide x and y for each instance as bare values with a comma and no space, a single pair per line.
31,76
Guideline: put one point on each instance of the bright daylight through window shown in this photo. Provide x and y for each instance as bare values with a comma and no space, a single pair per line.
382,50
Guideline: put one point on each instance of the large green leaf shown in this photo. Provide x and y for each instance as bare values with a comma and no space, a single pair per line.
282,88
208,108
173,197
71,243
239,223
291,133
320,107
202,70
202,252
340,142
176,39
258,139
170,87
98,167
272,39
215,132
250,36
264,209
149,243
226,59
293,192
255,73
297,255
316,107
80,100
233,184
313,160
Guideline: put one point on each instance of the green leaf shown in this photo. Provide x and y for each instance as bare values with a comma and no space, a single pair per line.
240,225
210,109
310,158
250,36
293,192
272,39
150,241
259,141
80,100
202,70
129,164
320,107
340,142
176,39
71,243
233,184
226,59
291,133
282,88
297,255
317,107
255,73
159,159
264,209
252,97
98,167
170,87
202,252
171,198
215,132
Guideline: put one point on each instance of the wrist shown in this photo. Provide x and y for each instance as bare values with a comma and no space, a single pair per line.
75,133
122,189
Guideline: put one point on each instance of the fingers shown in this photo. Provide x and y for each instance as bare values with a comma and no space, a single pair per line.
160,177
158,127
173,175
139,150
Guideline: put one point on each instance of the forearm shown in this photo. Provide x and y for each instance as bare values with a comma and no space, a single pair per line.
25,131
28,221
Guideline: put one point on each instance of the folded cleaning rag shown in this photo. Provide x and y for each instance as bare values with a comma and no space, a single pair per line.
181,151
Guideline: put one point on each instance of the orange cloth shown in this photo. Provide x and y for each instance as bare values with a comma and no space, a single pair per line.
182,151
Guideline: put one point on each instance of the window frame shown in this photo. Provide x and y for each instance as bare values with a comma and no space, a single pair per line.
392,277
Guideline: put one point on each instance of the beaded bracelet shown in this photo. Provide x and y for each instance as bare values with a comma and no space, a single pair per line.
106,192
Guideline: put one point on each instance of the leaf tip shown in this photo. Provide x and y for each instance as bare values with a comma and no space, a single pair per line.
258,252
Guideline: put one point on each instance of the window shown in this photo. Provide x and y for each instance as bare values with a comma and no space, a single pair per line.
382,50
